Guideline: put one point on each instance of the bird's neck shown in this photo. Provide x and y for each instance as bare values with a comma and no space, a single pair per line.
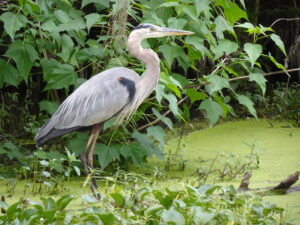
151,61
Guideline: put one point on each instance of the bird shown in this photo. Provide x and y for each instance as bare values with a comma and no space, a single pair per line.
116,92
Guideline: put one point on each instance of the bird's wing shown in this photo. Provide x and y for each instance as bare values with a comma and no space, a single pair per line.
98,99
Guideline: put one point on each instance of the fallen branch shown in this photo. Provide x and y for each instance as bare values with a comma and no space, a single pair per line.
281,188
197,86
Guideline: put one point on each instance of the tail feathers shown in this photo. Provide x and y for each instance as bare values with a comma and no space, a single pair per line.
41,140
48,131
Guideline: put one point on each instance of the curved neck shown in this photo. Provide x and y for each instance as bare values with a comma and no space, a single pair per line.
150,58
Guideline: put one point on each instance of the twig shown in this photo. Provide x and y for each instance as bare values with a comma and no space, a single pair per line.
285,19
197,86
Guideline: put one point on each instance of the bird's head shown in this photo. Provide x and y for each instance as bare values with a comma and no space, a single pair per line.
146,30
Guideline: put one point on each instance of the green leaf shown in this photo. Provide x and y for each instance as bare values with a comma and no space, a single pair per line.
67,47
153,210
118,198
106,154
217,83
168,4
13,23
203,5
173,104
253,51
246,101
58,75
91,19
195,95
226,46
201,216
260,80
108,219
98,3
135,152
246,25
64,201
232,11
147,144
164,119
213,109
190,10
24,55
62,16
171,52
279,65
278,42
158,133
172,216
171,83
91,53
177,23
8,74
221,26
48,106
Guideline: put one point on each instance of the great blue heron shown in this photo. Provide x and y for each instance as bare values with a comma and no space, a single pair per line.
114,92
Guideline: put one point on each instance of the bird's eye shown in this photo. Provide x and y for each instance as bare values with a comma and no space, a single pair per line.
151,29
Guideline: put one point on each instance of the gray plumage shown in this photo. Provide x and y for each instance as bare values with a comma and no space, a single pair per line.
95,101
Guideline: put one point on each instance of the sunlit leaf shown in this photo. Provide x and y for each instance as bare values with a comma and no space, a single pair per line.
253,51
195,95
232,11
173,216
46,174
278,42
118,198
246,25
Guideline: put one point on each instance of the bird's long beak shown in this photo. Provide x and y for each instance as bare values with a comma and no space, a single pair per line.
173,32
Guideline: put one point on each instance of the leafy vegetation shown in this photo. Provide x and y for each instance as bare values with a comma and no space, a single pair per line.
48,48
208,204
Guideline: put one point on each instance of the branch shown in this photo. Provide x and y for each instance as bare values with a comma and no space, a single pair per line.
197,86
285,19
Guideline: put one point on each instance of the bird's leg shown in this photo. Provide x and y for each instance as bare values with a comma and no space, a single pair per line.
95,130
83,159
83,155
